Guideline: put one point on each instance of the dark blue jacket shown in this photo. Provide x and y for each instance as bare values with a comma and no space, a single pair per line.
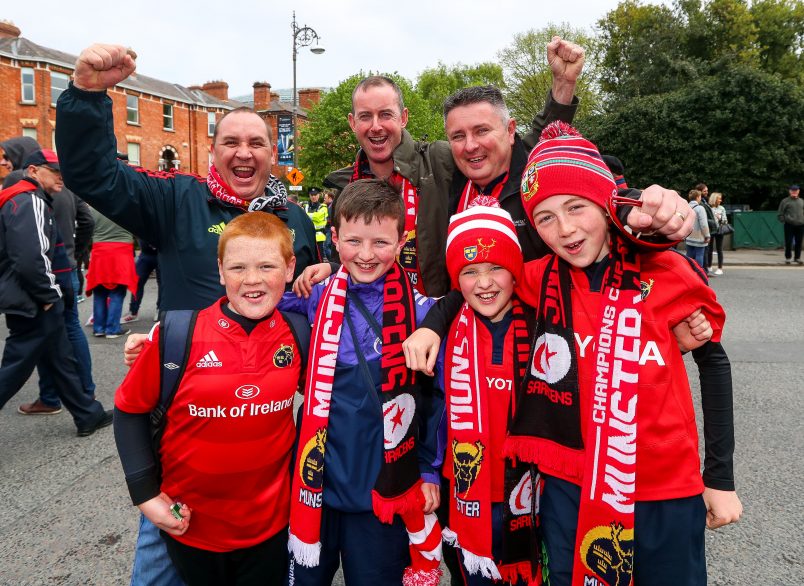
174,212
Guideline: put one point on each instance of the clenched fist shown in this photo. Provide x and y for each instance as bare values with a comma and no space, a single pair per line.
100,67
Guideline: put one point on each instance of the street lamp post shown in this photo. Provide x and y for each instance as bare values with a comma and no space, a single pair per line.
302,37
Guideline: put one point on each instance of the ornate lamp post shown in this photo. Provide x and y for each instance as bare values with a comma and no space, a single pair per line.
303,36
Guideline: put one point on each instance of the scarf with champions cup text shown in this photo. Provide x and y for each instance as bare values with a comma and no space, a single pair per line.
468,441
397,490
275,197
547,418
408,256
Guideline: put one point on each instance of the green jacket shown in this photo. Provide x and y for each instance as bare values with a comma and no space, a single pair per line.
791,211
429,166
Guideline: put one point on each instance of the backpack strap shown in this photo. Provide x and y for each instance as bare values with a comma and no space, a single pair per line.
300,328
175,337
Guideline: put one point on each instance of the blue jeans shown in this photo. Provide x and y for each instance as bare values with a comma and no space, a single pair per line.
145,265
107,318
152,565
696,253
78,340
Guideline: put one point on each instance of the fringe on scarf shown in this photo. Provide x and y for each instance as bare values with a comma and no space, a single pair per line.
535,451
512,573
306,554
386,508
413,577
472,562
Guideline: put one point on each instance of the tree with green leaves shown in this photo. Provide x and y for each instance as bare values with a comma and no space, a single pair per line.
326,140
739,131
527,74
435,84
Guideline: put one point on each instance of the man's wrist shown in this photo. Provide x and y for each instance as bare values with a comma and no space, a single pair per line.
563,91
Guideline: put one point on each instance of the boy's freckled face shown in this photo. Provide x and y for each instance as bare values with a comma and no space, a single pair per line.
254,273
487,288
368,250
576,229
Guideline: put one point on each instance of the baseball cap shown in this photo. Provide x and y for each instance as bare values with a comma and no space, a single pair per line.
42,158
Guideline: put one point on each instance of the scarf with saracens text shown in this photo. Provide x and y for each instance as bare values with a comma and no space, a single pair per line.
408,255
397,490
275,196
469,444
546,425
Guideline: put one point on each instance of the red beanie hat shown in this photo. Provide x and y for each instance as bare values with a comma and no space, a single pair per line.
565,163
484,232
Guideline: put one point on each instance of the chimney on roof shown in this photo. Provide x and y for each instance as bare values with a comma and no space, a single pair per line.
274,96
8,30
309,97
217,89
262,95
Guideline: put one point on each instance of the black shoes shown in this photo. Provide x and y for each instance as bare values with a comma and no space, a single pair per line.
104,421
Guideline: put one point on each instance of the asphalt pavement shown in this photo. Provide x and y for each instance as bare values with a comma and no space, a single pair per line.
66,519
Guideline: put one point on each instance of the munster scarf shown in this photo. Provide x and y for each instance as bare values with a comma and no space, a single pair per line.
408,256
397,490
469,442
274,197
470,193
546,421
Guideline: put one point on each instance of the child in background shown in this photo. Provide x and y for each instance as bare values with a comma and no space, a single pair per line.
605,410
364,482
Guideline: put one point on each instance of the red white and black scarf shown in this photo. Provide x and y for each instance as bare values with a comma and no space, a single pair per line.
547,418
275,196
471,193
408,256
468,442
397,490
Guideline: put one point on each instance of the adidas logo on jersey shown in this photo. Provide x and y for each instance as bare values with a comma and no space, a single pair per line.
210,360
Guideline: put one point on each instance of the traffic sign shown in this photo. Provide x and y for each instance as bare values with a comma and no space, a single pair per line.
295,176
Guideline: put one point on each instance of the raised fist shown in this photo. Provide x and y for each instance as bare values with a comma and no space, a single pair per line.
100,67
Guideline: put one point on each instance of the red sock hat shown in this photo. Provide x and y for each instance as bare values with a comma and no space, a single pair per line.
565,163
483,233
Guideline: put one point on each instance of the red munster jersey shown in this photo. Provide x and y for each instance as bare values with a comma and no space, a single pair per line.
499,379
667,461
229,434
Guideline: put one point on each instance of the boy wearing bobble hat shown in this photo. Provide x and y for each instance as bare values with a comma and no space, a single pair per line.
605,410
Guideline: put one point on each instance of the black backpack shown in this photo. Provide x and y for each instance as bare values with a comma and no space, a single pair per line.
175,337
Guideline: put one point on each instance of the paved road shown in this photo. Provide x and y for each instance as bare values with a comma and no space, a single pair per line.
65,517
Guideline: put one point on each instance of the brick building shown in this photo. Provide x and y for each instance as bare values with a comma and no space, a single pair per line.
160,125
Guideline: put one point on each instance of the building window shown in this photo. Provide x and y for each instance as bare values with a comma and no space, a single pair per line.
28,90
30,132
210,123
167,116
58,83
133,153
132,109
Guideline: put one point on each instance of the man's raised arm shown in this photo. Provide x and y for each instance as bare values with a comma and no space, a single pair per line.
88,149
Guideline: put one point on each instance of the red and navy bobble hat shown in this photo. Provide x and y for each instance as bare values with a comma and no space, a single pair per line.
565,163
42,158
483,232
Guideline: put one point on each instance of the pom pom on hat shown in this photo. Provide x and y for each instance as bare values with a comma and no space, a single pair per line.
484,232
565,163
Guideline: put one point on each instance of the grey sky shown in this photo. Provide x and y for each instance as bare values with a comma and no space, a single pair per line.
243,42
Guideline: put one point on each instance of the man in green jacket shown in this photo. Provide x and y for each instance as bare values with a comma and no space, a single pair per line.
791,214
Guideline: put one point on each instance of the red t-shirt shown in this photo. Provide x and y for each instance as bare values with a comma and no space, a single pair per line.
668,465
499,379
229,434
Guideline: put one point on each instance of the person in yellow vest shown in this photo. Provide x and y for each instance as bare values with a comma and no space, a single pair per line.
319,214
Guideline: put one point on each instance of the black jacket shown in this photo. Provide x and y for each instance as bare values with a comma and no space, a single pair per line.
175,213
28,238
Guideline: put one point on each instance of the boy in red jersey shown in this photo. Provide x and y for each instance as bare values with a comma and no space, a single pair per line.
605,410
226,448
